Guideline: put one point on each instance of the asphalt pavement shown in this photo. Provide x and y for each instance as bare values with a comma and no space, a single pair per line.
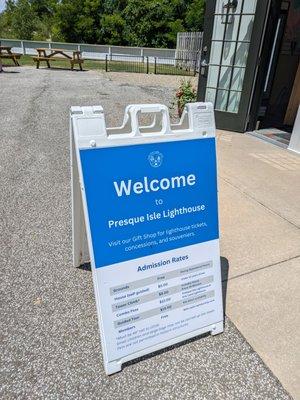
50,347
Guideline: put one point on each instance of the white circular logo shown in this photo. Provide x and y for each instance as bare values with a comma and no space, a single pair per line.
155,159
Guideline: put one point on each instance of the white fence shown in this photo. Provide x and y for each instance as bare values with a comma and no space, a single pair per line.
188,48
89,51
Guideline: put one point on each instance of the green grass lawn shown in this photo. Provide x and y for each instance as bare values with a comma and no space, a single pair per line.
114,66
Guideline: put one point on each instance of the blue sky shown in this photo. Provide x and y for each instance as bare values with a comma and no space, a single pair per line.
2,5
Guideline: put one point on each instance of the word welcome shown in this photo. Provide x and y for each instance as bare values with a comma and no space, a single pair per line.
153,185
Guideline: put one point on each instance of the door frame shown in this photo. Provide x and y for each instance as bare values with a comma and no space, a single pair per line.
227,120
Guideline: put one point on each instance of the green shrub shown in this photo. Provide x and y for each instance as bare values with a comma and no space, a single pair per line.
186,93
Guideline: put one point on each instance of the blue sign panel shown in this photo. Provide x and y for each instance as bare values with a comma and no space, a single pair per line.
149,198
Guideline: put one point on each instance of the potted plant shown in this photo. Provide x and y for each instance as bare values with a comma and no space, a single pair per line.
186,93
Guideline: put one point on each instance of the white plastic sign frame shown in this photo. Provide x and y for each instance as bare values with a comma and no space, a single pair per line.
145,213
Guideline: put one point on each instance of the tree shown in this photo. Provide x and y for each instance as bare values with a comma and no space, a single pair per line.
112,29
66,19
79,20
45,11
152,23
23,20
28,19
44,8
174,28
5,20
147,22
195,15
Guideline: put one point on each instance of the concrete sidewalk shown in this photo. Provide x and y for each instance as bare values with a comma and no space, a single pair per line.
260,237
49,337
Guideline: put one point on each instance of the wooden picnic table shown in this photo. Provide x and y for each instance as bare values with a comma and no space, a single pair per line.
5,52
48,55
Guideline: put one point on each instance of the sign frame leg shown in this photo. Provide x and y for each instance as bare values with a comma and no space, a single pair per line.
79,236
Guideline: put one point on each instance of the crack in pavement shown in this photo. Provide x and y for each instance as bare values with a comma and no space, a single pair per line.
261,268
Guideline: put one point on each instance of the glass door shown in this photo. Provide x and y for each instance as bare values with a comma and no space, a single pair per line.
233,33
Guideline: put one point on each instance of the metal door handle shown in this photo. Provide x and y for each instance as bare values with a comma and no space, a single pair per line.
203,65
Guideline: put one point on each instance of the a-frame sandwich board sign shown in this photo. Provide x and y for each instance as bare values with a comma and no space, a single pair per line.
145,212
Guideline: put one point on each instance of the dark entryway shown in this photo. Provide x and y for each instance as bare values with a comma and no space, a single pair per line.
281,87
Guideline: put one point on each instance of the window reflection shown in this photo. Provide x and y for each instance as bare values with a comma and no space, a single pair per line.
229,53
